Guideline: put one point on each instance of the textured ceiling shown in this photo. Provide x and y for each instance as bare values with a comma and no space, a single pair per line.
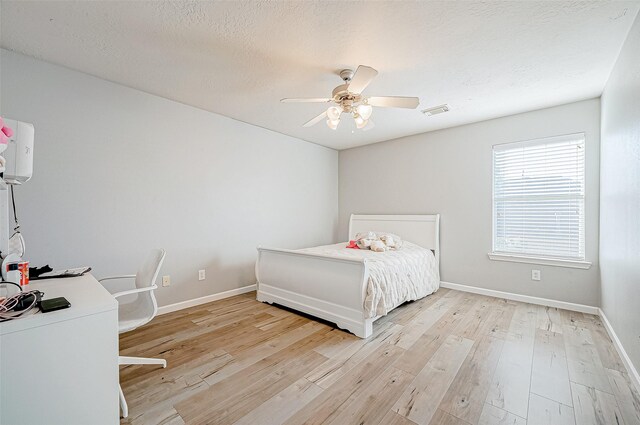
239,58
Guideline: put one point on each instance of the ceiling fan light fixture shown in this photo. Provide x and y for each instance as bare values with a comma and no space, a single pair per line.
333,124
334,113
360,122
364,111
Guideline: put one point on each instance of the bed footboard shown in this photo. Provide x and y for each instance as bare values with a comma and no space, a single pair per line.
326,287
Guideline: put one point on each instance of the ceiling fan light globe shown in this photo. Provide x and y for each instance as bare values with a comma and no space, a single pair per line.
334,113
365,111
360,122
333,124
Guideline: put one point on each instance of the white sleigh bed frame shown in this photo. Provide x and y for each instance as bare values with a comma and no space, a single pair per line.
332,288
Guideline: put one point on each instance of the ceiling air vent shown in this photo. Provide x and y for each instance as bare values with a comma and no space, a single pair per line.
436,110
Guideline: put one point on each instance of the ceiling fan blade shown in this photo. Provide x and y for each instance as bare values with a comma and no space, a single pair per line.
307,100
394,101
361,79
315,120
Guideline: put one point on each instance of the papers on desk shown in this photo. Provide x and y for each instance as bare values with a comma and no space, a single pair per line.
64,273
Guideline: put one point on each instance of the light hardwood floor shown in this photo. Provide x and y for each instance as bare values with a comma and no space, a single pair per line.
452,358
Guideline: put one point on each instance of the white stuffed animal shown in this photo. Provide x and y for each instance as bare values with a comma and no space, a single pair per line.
390,240
364,239
378,242
378,246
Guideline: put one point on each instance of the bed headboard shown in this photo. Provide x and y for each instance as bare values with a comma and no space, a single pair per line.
423,230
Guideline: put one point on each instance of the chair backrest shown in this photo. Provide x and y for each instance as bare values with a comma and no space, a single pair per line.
145,277
148,272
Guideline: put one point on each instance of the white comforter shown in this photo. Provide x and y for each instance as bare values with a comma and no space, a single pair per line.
395,277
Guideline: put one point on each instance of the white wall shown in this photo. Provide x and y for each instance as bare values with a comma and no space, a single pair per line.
449,172
620,196
119,171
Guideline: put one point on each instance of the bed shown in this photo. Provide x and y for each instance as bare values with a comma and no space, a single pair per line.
335,283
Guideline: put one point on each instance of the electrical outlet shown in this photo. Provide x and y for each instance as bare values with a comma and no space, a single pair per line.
535,274
166,280
201,275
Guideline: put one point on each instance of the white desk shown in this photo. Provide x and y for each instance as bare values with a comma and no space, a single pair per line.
62,367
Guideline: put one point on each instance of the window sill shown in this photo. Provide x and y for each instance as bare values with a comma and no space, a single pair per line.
574,264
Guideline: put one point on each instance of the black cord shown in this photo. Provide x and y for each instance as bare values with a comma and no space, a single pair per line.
13,203
19,304
11,283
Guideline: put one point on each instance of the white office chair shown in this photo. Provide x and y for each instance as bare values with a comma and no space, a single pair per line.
133,314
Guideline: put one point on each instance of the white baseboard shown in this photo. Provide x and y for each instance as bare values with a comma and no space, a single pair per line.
203,300
522,298
633,373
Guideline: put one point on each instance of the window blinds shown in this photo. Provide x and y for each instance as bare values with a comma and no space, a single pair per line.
538,197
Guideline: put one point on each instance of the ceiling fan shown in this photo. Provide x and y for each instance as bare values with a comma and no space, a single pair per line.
348,99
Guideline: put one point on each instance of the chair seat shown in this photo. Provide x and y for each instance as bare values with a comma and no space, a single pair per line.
130,317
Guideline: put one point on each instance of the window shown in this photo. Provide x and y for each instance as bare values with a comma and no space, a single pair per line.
538,199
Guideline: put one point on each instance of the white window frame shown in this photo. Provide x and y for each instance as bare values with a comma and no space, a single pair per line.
530,258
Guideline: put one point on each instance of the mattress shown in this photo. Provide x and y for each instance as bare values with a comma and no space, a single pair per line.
395,277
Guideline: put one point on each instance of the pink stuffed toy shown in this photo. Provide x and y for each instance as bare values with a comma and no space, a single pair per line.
5,133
